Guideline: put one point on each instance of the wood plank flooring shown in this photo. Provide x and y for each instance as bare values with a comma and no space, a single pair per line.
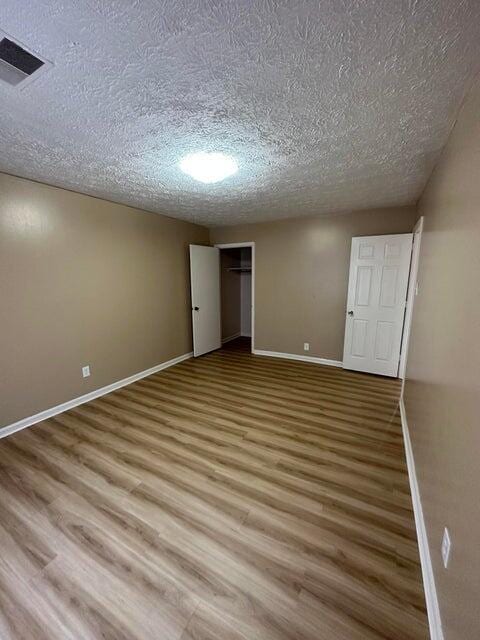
232,497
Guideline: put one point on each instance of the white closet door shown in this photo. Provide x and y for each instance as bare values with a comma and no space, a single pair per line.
377,292
205,287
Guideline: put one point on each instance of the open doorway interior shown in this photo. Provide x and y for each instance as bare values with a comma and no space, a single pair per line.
236,295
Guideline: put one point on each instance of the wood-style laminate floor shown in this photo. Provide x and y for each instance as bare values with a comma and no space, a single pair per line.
232,497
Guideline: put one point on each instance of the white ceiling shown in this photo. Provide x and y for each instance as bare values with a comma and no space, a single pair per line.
328,105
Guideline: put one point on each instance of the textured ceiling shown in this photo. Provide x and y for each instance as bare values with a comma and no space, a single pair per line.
327,105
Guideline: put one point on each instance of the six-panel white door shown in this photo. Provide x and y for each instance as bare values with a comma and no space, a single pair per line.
377,292
205,287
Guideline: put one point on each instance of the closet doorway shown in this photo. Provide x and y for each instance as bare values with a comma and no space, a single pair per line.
237,291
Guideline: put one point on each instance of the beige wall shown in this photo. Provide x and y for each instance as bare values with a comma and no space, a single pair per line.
442,393
84,281
230,292
302,275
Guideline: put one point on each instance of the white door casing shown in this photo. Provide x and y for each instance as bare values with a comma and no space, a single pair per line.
412,292
205,291
377,291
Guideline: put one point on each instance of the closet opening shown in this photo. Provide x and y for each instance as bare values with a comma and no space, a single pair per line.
236,295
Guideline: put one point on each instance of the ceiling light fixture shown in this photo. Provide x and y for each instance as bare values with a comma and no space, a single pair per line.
208,167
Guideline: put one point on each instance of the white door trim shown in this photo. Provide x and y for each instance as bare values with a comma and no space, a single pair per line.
239,245
412,287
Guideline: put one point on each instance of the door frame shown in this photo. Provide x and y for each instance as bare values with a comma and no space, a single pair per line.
239,245
411,294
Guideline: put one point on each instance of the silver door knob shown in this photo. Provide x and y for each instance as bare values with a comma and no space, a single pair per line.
350,313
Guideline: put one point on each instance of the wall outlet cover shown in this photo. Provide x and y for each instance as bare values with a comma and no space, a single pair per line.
306,346
446,545
86,371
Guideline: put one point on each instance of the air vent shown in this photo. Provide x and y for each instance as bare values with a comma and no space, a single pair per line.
17,65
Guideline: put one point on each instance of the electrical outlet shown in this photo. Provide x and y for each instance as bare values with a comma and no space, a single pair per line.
306,346
86,371
446,544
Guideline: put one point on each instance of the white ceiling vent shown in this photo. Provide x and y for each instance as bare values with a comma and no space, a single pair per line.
18,65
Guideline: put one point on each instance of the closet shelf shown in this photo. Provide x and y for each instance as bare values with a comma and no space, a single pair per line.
241,269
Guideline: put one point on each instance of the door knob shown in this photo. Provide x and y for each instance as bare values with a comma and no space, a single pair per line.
350,313
196,308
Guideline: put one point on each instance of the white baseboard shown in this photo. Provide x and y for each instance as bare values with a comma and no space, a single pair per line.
232,337
434,620
49,413
294,356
